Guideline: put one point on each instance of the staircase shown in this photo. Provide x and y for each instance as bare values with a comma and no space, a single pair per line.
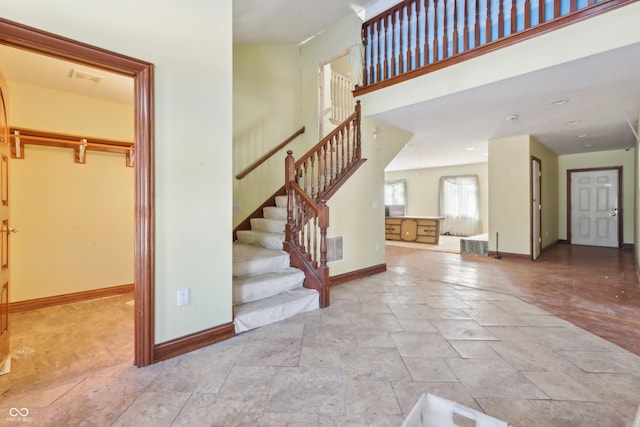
275,239
266,288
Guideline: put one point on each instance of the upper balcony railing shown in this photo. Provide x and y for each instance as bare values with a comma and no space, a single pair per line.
419,36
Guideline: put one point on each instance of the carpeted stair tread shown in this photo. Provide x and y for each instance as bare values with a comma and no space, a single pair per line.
260,238
250,260
279,307
253,288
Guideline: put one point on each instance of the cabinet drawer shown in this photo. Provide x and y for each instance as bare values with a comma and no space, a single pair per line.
392,229
426,230
427,239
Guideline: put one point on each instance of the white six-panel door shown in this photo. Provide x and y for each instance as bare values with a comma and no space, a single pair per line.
594,208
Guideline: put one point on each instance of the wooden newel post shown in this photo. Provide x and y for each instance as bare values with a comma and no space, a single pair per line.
323,223
289,178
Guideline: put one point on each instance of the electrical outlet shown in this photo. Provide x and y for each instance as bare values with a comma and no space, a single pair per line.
183,297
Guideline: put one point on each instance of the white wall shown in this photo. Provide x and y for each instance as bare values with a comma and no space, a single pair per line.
190,46
423,187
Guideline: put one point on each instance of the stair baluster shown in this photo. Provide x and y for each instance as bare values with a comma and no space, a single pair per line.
337,157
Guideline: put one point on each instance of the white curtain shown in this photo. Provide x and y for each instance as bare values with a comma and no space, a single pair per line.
459,205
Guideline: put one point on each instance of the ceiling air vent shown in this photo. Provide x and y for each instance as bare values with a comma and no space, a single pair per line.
82,75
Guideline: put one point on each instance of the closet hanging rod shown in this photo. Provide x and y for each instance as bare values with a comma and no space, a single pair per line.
80,145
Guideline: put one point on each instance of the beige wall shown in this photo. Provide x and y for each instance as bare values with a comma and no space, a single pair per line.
75,221
357,209
191,49
266,111
51,110
423,189
509,195
548,191
623,158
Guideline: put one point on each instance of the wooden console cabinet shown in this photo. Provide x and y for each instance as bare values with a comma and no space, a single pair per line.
420,229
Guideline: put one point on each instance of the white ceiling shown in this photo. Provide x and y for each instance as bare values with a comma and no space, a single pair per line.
603,94
289,21
603,91
26,67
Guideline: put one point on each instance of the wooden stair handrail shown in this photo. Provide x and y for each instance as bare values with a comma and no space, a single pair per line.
333,133
266,157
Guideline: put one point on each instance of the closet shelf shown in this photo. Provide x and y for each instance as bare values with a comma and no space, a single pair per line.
22,136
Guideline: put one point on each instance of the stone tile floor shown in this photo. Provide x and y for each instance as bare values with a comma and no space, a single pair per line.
365,361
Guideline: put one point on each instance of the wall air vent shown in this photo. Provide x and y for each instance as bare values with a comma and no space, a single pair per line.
334,249
82,75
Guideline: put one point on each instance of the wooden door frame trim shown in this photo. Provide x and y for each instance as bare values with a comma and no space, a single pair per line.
27,38
620,199
535,159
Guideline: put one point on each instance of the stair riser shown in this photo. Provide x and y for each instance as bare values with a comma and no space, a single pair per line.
281,201
251,260
268,225
256,238
271,212
254,288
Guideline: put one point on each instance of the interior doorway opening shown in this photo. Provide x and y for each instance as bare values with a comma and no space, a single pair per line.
335,87
536,207
31,39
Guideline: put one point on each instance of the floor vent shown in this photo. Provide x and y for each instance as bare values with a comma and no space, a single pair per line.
334,249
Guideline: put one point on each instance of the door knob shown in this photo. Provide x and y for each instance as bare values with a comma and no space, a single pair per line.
12,230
